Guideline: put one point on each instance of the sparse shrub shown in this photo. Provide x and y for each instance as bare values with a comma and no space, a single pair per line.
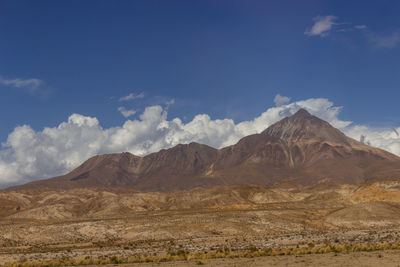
253,248
224,252
181,252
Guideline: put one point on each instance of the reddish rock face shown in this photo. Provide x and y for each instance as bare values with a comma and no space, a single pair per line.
302,149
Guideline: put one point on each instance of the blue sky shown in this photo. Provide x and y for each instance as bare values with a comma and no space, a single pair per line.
227,59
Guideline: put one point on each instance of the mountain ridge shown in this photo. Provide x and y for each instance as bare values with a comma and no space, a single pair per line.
301,148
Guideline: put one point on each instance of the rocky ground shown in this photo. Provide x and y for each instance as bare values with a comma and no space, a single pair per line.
365,259
201,224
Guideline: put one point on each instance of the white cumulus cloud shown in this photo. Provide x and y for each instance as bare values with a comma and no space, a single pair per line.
30,84
131,96
126,112
387,139
322,26
29,155
281,100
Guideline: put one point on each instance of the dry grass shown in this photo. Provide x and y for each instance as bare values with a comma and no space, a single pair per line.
182,255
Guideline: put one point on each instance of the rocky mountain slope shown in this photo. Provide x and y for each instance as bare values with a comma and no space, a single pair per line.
302,149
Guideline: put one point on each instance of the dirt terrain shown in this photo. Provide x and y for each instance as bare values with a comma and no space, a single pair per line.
43,224
366,259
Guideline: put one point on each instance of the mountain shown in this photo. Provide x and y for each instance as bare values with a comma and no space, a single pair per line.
301,148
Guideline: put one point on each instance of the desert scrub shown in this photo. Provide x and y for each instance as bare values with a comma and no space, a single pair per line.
182,255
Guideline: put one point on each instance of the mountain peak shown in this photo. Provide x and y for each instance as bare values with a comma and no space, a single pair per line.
302,126
302,113
303,117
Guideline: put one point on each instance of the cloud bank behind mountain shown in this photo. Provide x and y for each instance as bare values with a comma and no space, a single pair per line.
29,155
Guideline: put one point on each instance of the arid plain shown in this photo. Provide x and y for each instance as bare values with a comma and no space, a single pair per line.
221,222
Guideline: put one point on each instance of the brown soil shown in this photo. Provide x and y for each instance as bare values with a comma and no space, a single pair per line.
365,259
42,225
